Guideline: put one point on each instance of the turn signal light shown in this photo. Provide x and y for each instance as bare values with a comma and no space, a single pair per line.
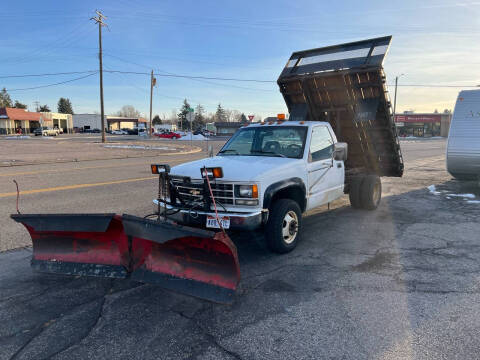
216,173
281,116
254,191
157,169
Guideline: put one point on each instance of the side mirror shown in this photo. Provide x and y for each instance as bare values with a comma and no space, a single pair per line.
340,151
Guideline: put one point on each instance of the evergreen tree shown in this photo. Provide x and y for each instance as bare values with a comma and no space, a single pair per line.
5,100
220,115
243,119
156,120
19,105
199,119
64,106
182,116
44,108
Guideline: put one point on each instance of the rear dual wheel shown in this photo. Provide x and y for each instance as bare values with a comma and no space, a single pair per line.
365,192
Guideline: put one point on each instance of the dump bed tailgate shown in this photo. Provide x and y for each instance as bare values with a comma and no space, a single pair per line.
345,85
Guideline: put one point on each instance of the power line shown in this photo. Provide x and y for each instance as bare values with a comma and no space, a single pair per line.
55,84
193,76
48,74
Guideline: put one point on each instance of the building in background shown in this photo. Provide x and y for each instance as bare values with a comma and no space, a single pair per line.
227,128
118,122
82,122
211,127
13,121
423,124
58,120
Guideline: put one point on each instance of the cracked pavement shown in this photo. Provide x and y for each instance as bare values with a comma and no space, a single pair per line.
401,282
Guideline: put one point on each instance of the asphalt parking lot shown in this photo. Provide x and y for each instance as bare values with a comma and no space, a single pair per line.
401,282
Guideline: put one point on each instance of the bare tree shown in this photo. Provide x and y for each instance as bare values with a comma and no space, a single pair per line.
128,111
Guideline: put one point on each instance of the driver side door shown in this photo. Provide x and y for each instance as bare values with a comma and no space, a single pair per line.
325,175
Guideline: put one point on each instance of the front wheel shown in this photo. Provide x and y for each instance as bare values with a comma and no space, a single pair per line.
283,227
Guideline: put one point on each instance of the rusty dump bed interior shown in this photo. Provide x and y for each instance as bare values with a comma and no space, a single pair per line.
346,86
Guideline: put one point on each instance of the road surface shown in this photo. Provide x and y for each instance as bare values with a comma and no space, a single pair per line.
397,283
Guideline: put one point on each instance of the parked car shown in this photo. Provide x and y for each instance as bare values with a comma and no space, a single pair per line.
169,135
46,131
60,130
119,132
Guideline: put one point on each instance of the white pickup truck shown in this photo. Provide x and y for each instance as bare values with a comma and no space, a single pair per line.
271,174
268,174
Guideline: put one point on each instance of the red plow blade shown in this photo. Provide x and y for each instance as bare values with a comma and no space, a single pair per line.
77,244
187,260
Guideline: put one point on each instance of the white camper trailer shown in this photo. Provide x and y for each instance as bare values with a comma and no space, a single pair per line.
463,147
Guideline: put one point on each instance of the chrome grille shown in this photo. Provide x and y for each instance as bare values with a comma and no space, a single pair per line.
193,191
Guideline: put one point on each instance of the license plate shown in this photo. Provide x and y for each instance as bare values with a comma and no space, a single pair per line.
213,223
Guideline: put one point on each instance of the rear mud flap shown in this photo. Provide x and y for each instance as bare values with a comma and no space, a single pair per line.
187,260
78,244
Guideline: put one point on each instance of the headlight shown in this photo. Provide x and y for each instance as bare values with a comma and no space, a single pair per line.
247,191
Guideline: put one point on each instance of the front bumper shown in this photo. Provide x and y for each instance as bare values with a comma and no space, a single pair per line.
238,221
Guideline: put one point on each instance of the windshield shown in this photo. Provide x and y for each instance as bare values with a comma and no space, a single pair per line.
279,141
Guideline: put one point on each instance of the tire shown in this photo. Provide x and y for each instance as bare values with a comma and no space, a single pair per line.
284,224
354,193
371,192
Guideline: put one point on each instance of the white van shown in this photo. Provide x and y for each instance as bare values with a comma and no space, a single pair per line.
463,147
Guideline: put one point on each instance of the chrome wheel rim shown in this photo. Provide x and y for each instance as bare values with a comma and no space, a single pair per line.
290,227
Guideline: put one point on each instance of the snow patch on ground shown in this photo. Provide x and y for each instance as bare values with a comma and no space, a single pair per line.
465,196
138,147
189,136
433,190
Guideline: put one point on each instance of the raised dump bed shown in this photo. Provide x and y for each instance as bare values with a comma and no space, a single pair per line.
346,86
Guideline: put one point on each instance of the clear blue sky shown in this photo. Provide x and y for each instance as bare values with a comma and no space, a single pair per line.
434,42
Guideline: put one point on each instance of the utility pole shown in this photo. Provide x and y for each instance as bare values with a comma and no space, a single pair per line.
99,20
37,105
153,82
395,96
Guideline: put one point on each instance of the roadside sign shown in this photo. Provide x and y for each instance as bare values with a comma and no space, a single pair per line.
191,110
190,116
250,117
